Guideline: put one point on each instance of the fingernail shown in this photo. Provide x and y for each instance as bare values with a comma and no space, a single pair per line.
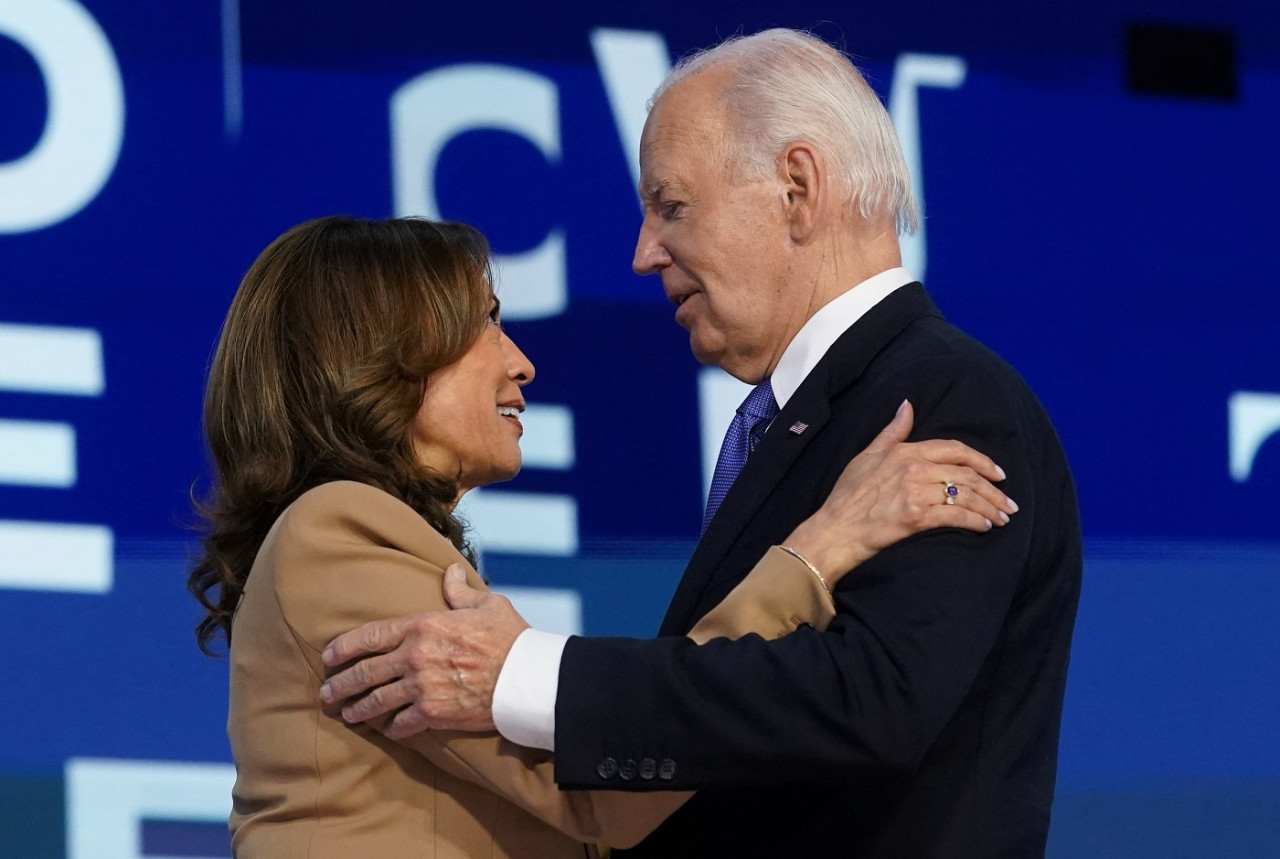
456,574
1000,471
327,656
1004,517
1013,505
989,525
325,692
900,408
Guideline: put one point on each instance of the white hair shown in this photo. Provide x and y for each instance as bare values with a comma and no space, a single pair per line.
787,87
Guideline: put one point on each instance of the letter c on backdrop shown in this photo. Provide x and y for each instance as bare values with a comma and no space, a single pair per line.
428,111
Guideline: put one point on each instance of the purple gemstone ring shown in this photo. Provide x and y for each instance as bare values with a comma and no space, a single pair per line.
951,492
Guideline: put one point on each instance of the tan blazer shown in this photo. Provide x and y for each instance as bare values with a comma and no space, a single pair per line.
309,785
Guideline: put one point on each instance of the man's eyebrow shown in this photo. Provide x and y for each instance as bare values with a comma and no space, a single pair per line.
654,189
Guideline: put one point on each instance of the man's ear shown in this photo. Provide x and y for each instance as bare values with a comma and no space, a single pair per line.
803,178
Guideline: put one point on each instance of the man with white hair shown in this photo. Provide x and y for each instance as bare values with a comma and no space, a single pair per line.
924,722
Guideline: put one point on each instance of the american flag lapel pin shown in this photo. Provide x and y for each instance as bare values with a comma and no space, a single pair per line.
799,427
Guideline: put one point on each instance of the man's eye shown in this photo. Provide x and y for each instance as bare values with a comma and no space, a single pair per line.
671,210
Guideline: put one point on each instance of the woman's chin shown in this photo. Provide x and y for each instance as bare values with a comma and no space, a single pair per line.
509,473
496,474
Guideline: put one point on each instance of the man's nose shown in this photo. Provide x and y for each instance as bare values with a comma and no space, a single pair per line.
651,256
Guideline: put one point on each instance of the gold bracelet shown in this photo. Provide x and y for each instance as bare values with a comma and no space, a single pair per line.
802,559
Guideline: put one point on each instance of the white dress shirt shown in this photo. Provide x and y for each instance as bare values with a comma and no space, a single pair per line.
524,699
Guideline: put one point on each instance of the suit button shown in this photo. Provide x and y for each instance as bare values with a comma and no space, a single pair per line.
667,769
607,768
628,770
648,769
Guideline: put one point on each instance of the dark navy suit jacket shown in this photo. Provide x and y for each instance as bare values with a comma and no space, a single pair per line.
924,721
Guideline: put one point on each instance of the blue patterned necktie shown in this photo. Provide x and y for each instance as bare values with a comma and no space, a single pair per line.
745,432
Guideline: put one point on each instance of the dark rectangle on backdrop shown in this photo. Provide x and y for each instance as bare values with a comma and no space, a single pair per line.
185,838
1182,61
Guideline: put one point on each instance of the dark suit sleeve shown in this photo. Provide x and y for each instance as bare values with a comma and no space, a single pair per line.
914,628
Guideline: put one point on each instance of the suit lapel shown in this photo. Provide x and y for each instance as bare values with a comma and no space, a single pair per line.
780,448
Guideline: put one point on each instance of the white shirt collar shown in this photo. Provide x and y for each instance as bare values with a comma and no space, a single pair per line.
825,327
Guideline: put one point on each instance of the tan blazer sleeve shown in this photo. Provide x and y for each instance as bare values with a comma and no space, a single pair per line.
777,596
348,554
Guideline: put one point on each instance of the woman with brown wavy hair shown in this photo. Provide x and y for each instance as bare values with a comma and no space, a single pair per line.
361,385
318,376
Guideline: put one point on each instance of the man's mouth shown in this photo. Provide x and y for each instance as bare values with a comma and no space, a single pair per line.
684,315
510,411
679,298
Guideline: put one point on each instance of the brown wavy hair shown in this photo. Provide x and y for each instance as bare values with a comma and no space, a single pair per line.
319,373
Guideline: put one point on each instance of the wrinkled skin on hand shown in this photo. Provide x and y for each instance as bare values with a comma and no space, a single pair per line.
431,670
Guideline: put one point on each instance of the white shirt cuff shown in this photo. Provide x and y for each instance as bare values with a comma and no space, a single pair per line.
524,698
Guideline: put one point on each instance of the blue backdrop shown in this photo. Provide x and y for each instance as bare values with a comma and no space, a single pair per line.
1112,238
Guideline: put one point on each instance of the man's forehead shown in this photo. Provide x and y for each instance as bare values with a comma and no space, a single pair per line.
673,143
660,147
669,130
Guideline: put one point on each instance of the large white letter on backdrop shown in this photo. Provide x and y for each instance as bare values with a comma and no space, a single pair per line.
80,145
432,109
